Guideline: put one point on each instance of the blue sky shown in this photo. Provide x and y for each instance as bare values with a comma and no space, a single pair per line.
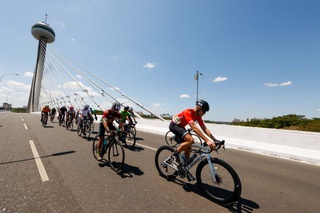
257,58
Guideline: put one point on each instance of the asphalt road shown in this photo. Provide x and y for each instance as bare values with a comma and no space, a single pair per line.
71,180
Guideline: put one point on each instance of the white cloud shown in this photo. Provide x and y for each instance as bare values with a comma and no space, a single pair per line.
286,83
283,84
184,96
270,85
219,79
156,105
149,65
78,76
19,85
28,74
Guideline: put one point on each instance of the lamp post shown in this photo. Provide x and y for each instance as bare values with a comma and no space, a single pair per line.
196,77
8,74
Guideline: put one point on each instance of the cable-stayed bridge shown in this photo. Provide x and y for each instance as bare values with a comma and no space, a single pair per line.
59,81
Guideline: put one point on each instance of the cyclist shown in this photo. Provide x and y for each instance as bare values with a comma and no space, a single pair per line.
71,113
45,111
106,124
125,115
85,114
93,113
190,117
53,113
62,112
132,115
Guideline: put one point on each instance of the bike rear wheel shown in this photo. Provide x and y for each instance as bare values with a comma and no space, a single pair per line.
169,137
164,160
227,188
116,156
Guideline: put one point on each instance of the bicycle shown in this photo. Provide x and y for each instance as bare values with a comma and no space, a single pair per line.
84,128
44,119
52,117
132,128
127,136
113,148
70,123
61,119
173,141
215,177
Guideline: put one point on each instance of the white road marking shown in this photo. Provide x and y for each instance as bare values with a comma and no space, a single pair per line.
40,166
25,126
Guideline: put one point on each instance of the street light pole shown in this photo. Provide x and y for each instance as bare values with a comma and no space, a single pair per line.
8,74
197,79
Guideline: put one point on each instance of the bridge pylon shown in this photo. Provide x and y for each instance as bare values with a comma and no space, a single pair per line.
45,34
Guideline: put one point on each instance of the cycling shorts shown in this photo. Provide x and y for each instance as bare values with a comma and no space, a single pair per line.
179,131
102,129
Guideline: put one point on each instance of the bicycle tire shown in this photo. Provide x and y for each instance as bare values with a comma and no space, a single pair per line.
228,188
169,137
134,130
88,130
94,146
79,130
116,155
131,138
163,160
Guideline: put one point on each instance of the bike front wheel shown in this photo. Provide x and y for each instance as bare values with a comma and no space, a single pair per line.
227,187
164,160
130,138
116,156
79,130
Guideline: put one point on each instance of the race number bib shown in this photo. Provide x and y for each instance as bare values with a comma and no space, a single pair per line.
176,120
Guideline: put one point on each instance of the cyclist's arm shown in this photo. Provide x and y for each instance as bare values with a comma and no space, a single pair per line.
202,134
208,133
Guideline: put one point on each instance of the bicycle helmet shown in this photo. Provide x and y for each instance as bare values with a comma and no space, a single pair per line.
203,104
86,107
126,108
71,107
130,109
46,106
116,106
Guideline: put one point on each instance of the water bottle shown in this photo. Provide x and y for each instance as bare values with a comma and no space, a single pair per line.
191,159
104,146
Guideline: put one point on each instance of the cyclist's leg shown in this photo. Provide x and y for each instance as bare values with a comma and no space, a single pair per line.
101,138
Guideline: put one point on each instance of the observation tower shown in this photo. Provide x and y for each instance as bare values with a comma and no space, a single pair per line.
45,34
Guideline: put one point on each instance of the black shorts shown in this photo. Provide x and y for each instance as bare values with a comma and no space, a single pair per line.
179,131
102,129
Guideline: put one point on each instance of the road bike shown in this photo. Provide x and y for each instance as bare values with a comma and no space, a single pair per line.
84,128
113,148
127,137
52,117
61,119
131,127
70,123
215,177
174,141
44,119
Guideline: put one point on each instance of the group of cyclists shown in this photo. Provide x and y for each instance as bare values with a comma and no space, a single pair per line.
189,116
66,115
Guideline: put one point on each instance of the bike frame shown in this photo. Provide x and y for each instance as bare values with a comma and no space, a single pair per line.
204,154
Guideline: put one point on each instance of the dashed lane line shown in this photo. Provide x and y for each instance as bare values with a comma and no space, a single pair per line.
39,163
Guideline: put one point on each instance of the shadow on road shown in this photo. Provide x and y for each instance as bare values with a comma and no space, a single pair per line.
242,205
52,155
127,171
